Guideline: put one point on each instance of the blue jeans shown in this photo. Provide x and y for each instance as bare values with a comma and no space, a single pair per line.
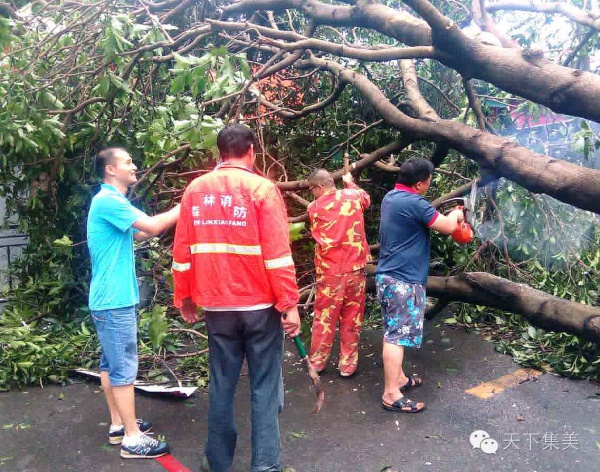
117,332
257,335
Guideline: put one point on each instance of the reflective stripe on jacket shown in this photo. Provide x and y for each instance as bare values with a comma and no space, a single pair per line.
232,244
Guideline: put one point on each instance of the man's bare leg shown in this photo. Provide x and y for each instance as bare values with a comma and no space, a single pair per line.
115,418
125,403
393,356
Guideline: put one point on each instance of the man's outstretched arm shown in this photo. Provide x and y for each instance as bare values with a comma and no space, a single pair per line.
150,226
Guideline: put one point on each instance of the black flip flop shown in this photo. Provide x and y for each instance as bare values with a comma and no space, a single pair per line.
412,382
403,405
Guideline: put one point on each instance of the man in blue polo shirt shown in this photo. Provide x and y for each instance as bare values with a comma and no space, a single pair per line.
401,276
113,223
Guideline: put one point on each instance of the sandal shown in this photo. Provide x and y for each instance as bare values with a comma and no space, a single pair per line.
403,405
412,382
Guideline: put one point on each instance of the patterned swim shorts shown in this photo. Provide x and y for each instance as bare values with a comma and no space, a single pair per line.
402,309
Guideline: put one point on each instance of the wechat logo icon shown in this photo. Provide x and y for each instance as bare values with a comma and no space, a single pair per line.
480,439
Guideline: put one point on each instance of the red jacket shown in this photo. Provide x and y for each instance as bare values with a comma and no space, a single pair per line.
232,245
337,224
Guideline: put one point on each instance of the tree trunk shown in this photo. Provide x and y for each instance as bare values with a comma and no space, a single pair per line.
539,308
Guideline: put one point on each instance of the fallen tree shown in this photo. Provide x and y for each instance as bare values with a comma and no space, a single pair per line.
480,288
377,80
542,310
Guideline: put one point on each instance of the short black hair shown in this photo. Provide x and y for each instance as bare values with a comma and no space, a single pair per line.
413,170
235,140
104,158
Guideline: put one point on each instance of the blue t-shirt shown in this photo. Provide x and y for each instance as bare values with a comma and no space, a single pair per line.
404,236
110,241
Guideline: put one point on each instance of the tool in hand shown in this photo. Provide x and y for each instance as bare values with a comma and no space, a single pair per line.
312,373
465,233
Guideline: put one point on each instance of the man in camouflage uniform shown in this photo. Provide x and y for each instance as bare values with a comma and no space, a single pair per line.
341,253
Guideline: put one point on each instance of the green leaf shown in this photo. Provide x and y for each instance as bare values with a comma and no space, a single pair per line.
199,82
48,100
187,61
178,83
296,435
296,231
157,328
103,86
220,51
84,329
181,125
119,83
65,241
532,332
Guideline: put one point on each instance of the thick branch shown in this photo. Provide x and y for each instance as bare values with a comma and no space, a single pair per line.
474,104
570,183
365,13
459,191
78,108
486,23
524,73
570,11
7,11
366,160
419,104
374,55
541,309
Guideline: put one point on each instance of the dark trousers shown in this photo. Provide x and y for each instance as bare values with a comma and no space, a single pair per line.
257,335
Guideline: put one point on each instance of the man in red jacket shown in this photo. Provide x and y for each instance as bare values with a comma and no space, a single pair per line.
232,257
341,253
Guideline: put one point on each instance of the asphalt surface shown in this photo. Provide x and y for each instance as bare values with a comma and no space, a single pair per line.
544,423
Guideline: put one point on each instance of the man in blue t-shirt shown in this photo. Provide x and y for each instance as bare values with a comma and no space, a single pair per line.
401,276
113,223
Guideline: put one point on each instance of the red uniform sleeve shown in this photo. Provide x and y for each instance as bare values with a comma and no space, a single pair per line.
183,272
274,237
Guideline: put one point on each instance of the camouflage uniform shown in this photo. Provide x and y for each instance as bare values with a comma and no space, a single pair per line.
341,253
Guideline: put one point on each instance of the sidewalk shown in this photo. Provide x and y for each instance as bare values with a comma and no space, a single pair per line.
544,423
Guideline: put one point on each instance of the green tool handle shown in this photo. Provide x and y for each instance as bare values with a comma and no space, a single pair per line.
300,346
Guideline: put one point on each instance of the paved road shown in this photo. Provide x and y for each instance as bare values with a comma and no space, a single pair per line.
545,423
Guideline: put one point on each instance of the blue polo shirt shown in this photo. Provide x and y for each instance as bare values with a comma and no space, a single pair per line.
404,235
110,241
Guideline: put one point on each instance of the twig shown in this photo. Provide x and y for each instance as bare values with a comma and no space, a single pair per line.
589,35
187,354
188,330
